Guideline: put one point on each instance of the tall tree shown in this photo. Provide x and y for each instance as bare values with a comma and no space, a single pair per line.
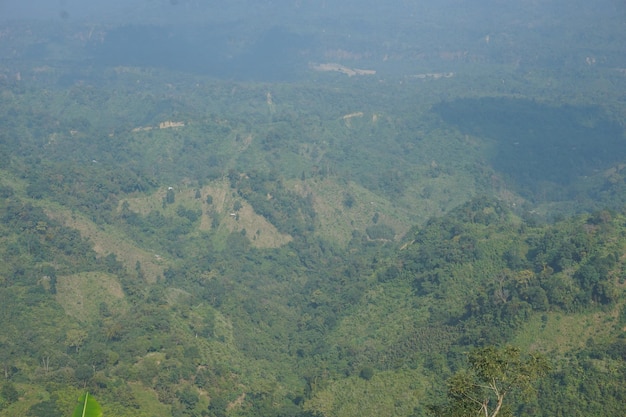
493,374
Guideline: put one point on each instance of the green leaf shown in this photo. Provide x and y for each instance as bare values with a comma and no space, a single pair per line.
87,407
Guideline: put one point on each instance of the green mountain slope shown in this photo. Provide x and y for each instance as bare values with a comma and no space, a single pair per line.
179,245
311,326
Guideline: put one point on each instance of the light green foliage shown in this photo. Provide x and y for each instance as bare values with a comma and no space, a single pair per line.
386,393
87,407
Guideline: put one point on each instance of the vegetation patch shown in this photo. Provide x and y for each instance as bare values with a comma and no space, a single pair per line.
537,143
563,333
107,241
237,215
344,208
384,394
81,295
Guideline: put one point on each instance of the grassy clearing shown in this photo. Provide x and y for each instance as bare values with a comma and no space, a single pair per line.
106,240
261,233
81,294
386,394
337,221
560,332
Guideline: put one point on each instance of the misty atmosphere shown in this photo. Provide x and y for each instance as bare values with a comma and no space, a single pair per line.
305,208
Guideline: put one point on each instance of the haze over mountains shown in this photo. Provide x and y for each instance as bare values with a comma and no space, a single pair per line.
307,208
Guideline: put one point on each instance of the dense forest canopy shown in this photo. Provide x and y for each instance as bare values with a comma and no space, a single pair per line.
361,212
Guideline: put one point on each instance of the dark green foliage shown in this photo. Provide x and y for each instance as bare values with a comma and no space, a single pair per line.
188,397
170,196
380,231
45,409
581,383
83,374
5,191
289,212
538,143
348,200
191,215
9,393
217,407
367,373
389,274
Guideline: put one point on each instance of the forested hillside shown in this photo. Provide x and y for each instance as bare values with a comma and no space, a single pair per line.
330,243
